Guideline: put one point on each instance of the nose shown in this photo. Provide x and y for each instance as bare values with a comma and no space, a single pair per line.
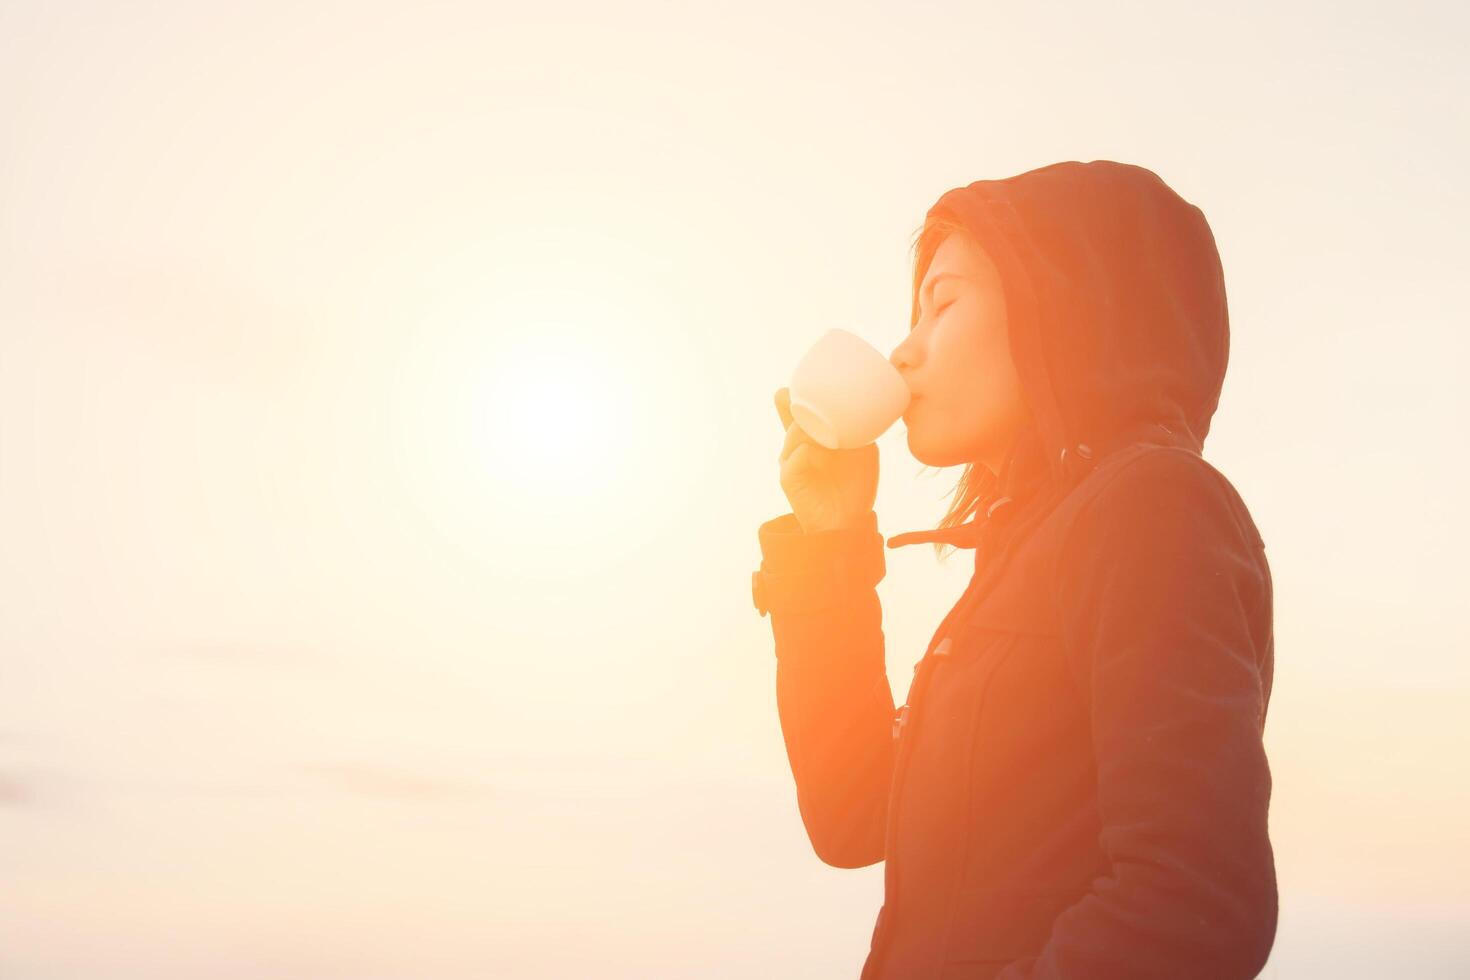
901,360
897,358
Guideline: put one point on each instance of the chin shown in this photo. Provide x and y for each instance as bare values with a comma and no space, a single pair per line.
931,455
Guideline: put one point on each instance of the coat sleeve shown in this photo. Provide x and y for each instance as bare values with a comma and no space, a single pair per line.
1164,596
832,692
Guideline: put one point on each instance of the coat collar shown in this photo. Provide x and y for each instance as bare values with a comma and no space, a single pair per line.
1027,478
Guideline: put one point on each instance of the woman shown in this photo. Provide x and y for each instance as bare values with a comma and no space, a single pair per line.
1076,788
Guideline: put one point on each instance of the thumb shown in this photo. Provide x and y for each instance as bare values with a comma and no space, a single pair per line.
783,406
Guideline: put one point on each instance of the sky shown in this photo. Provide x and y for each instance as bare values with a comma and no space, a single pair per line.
386,418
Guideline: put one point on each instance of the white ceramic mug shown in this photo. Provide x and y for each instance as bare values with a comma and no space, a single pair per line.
845,393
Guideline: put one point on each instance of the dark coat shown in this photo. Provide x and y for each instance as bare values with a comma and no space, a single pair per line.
1076,788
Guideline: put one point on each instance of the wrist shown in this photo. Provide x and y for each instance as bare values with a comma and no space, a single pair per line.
816,571
864,521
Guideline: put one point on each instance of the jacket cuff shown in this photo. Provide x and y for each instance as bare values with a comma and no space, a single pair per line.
801,571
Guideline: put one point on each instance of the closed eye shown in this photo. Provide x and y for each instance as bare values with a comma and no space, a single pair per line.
940,310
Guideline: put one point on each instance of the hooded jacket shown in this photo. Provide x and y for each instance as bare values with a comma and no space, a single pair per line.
1076,786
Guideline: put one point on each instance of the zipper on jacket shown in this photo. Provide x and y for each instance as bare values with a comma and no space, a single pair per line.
903,732
906,720
901,718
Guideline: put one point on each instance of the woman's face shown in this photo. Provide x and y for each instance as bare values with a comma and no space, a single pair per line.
967,404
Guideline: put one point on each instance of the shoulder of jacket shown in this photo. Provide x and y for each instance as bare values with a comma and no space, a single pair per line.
1154,465
1158,472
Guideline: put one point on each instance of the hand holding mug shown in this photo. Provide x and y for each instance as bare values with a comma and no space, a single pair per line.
844,394
828,489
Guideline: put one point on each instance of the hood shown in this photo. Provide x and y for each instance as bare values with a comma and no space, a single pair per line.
1116,306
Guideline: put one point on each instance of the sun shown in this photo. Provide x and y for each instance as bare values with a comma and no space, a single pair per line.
544,420
517,428
552,408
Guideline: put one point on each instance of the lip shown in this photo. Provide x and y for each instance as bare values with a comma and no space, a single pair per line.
913,400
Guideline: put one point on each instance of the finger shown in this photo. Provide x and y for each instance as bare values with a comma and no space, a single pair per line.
793,441
783,406
799,459
795,438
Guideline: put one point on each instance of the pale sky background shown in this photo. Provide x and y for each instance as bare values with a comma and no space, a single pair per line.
385,423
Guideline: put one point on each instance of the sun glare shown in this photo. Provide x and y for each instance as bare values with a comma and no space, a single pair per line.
546,414
551,412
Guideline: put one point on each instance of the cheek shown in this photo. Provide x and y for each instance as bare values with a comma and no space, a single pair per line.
958,350
979,379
